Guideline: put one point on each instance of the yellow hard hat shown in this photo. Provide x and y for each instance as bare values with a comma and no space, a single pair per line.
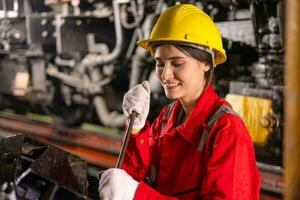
186,23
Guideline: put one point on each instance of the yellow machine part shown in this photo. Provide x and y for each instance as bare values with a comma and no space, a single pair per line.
256,113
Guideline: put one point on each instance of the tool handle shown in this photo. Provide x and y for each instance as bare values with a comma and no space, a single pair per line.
126,139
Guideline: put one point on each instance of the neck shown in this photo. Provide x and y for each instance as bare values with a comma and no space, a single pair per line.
189,103
188,106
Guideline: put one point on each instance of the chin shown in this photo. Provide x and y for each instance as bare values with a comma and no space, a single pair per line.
171,96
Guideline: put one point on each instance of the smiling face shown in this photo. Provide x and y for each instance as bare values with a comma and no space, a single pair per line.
181,75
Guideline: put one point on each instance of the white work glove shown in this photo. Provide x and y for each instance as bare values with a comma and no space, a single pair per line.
137,99
116,184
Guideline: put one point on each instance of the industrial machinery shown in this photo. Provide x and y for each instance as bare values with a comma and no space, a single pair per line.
253,76
74,60
30,170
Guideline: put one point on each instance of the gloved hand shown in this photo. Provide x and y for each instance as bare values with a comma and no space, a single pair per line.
137,99
116,184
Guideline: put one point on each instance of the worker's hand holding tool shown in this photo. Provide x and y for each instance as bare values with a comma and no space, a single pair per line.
116,184
137,99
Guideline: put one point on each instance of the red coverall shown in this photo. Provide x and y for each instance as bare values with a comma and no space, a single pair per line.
224,169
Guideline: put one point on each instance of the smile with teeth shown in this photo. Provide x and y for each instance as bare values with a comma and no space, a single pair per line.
171,85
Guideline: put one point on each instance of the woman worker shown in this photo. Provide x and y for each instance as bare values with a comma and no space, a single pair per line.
198,147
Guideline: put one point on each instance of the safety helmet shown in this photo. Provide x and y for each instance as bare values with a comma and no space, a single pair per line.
187,24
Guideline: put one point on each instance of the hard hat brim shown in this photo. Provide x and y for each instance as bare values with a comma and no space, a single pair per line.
146,44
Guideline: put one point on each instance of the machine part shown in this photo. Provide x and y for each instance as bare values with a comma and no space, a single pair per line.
137,66
270,121
45,30
268,26
111,119
8,69
271,178
140,54
20,85
99,148
281,18
267,73
48,165
75,82
10,152
238,31
248,89
39,76
137,13
34,170
257,115
63,62
68,79
86,28
100,59
126,139
232,3
96,47
39,29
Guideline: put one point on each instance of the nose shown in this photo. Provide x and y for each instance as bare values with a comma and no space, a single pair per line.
166,73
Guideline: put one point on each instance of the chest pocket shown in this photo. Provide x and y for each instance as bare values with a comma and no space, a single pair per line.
151,179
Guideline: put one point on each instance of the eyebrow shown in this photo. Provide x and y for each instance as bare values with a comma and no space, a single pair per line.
171,58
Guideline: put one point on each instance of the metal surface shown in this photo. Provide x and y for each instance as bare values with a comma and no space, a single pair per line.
292,102
63,168
271,178
97,149
10,151
39,29
35,170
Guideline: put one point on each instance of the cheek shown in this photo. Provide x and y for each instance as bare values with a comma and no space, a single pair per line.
183,73
158,72
192,76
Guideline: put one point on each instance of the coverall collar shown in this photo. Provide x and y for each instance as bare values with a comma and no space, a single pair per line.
208,102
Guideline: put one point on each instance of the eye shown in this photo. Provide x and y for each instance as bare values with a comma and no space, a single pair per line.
159,65
177,64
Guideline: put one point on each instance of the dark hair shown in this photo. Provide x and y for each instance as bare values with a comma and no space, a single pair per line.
197,54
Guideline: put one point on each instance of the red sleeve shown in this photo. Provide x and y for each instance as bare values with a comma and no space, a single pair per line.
145,192
137,157
231,171
141,150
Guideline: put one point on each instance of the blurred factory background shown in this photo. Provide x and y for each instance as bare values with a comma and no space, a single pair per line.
66,64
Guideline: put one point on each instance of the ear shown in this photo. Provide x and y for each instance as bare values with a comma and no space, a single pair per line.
205,66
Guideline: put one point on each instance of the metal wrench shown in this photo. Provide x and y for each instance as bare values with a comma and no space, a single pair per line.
125,143
126,139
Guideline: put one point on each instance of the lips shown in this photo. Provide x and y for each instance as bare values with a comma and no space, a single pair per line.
171,85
